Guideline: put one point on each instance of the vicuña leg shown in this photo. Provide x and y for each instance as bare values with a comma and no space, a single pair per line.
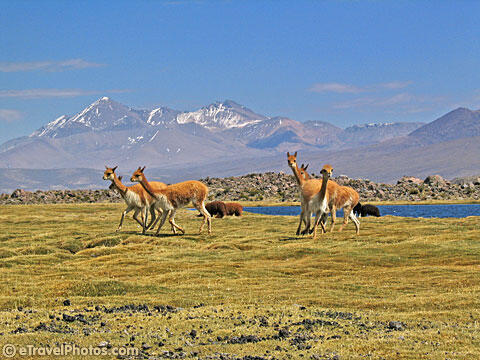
307,217
347,210
356,222
334,217
153,215
160,217
145,220
319,219
206,217
125,212
162,221
171,220
302,214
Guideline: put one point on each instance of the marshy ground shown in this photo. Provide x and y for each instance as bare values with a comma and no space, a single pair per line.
403,289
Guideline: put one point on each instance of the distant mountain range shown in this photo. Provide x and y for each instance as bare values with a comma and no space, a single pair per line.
222,139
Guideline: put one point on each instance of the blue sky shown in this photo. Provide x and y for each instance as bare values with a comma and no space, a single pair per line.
345,62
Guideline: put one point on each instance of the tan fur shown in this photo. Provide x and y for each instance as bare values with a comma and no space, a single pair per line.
140,202
317,202
337,197
341,197
175,196
309,192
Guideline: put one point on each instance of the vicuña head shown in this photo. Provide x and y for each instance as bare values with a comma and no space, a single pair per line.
109,173
303,172
327,170
137,175
292,160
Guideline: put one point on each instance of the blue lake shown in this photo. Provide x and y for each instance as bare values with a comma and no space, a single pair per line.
416,211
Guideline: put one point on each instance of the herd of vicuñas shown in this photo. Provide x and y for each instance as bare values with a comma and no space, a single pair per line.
318,197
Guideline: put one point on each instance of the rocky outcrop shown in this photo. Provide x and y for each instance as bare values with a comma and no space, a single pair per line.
276,187
20,196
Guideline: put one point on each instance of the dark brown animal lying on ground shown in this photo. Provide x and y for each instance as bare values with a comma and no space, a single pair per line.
222,209
367,209
216,208
234,209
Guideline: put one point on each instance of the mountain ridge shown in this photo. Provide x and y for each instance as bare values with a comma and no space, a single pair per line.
227,138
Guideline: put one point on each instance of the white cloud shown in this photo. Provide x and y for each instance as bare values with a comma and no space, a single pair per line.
51,66
335,87
375,101
353,89
45,93
395,85
8,115
398,103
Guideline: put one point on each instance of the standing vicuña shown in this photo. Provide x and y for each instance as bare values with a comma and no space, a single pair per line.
135,197
341,197
313,193
175,196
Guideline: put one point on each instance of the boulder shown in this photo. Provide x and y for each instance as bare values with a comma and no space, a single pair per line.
435,180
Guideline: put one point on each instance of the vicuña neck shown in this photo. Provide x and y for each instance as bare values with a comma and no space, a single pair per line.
323,189
296,173
118,184
148,188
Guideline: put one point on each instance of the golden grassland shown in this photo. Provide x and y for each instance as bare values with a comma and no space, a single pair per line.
334,297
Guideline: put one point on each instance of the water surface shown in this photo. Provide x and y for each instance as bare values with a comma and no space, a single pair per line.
416,211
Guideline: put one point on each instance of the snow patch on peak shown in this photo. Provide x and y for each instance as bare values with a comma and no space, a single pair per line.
134,140
153,113
51,126
221,115
162,115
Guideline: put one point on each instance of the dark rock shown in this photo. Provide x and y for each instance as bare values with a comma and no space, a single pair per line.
396,325
243,339
283,333
20,330
68,318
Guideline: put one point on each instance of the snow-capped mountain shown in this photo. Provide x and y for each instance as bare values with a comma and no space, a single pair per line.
109,133
104,114
108,115
221,115
162,116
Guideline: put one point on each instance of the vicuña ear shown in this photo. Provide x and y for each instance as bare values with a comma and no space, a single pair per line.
295,154
288,154
305,168
143,168
114,168
120,177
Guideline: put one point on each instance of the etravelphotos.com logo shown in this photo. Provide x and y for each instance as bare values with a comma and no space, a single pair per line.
11,350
